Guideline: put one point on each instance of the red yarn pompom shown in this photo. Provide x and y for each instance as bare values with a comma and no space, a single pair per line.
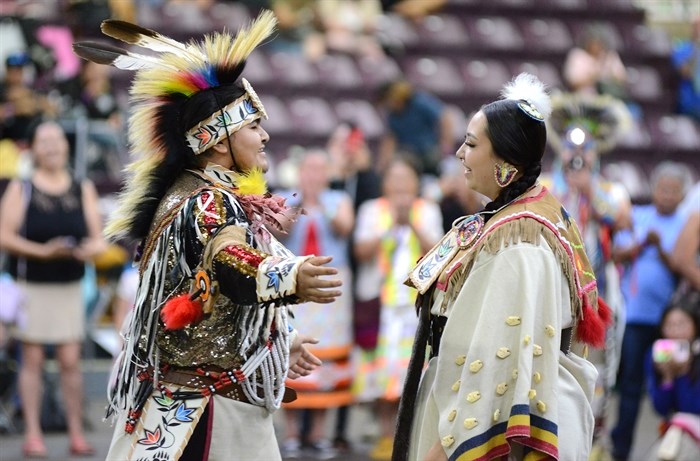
604,312
591,328
180,312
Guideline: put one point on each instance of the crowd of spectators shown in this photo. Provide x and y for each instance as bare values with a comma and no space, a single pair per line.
363,199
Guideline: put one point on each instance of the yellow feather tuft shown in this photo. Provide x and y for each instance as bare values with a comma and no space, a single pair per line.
251,182
224,52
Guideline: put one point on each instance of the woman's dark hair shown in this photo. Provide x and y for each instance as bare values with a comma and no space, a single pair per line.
34,125
520,140
689,304
177,116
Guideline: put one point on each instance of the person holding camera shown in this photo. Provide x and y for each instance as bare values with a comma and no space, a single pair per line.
648,283
673,378
580,130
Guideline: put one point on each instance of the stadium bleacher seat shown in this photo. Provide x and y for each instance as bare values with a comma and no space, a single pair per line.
375,72
436,74
361,113
494,33
515,3
546,34
339,71
565,5
676,132
636,138
292,71
643,83
312,116
545,71
258,69
641,38
485,77
396,32
443,30
579,27
279,120
630,175
228,15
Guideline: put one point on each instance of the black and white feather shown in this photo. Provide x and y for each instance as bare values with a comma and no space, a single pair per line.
102,53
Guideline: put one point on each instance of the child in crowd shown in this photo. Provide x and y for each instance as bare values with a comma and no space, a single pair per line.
673,379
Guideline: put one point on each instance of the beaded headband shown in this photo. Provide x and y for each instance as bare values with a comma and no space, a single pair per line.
231,118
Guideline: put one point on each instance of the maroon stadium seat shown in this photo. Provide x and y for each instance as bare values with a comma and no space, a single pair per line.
545,71
293,71
312,116
361,113
378,71
279,120
546,34
494,32
258,69
630,175
676,132
643,83
435,74
484,77
443,30
339,71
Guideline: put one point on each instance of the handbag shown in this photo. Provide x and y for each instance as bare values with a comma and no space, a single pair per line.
11,300
11,294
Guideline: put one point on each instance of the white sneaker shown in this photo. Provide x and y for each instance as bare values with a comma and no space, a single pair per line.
322,449
291,448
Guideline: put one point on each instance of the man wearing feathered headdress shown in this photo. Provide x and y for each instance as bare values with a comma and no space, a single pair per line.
208,345
581,129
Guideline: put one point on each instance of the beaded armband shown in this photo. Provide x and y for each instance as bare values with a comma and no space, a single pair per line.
243,258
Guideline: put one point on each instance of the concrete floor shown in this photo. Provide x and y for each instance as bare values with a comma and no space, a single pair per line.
362,426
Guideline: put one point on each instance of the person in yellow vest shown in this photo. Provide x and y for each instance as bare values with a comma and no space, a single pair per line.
392,233
508,304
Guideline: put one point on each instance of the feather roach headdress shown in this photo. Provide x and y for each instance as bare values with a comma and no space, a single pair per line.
601,119
163,84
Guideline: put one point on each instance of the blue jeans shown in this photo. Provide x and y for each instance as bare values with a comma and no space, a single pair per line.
630,383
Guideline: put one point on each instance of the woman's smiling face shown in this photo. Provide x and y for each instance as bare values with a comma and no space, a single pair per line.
50,147
478,158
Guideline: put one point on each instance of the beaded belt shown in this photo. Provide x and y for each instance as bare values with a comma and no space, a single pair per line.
213,382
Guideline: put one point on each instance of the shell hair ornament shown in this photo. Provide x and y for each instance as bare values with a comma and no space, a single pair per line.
530,93
164,81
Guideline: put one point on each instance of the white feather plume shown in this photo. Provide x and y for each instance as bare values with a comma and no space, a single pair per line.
530,88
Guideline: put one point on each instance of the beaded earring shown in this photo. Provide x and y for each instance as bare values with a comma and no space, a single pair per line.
504,173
